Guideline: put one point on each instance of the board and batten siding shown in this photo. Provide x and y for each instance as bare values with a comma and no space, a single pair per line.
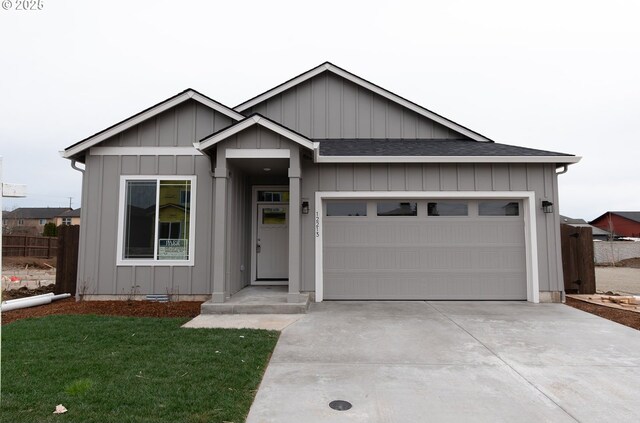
329,106
540,178
97,270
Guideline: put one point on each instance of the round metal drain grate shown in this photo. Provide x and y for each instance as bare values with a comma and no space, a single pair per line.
340,405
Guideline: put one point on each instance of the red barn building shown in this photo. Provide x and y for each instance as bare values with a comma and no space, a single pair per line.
620,223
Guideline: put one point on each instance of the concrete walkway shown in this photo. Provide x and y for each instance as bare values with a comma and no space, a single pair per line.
451,362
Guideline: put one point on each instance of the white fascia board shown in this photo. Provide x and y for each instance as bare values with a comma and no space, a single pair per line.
277,90
257,153
445,159
123,126
216,106
361,82
409,105
255,120
144,151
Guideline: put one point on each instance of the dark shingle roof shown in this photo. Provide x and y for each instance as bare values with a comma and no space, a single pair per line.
36,212
631,215
424,147
70,213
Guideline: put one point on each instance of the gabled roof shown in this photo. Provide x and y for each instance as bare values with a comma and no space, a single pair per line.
36,212
152,111
70,213
430,150
254,119
329,67
631,215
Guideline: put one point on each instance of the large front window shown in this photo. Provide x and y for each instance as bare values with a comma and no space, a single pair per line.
157,219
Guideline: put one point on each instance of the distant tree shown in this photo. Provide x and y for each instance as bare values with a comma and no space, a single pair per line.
50,229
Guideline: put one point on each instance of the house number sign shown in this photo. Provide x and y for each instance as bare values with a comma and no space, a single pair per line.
317,224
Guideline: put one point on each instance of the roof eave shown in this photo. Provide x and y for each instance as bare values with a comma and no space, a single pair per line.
558,160
327,66
77,149
255,119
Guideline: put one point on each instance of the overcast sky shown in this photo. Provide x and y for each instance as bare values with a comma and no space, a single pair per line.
556,75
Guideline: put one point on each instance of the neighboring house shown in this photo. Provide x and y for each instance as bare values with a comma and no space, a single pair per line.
327,184
623,223
30,220
597,233
69,217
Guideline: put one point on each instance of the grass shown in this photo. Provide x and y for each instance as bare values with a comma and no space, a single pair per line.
122,369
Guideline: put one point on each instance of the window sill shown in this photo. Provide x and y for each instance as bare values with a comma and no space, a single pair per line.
155,263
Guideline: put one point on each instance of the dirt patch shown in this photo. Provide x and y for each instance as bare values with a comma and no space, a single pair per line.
624,317
107,308
632,262
30,262
12,294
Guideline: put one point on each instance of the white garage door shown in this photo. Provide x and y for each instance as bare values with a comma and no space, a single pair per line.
424,250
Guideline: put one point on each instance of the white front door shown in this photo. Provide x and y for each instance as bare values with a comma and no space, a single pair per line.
272,242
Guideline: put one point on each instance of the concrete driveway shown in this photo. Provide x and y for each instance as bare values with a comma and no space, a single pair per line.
451,362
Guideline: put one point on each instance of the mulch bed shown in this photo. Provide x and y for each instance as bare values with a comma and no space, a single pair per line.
107,308
624,317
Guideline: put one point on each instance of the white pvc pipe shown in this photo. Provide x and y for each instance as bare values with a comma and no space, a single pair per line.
17,300
31,301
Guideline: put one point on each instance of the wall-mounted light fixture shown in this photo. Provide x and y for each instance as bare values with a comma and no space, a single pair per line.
547,206
305,207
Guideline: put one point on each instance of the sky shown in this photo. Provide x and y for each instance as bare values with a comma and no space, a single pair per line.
558,75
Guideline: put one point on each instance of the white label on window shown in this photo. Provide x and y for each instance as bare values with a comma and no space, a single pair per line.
172,249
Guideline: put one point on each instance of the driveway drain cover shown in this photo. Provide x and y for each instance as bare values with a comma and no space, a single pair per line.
340,405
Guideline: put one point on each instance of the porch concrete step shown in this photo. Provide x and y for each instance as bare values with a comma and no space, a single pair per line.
230,308
258,306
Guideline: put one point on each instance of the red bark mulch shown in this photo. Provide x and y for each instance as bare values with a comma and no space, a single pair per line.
107,308
624,317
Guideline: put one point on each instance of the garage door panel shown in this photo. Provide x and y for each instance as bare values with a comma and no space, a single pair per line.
452,285
424,257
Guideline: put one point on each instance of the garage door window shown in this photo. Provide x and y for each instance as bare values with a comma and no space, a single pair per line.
448,208
347,208
393,208
498,208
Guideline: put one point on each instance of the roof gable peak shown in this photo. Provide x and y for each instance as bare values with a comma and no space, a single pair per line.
336,70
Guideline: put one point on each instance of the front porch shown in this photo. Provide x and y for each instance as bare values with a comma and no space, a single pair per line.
259,300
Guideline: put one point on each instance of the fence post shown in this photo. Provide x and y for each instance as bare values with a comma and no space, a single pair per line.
67,259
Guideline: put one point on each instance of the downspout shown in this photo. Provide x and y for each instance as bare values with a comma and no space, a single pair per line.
74,166
565,168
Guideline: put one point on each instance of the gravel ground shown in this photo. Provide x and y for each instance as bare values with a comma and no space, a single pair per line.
622,280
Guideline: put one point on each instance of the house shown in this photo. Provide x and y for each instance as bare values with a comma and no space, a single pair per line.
30,220
328,184
597,233
623,223
69,217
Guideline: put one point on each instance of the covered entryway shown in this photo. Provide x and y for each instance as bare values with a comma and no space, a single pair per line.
424,249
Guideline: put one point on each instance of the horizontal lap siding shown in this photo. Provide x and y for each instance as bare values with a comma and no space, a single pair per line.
97,272
434,177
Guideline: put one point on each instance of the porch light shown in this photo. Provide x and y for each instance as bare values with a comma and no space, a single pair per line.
305,207
547,206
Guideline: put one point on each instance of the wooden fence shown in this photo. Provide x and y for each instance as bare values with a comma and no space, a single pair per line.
67,261
29,246
577,260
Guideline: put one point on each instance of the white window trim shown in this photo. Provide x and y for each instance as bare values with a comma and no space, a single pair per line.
120,260
528,212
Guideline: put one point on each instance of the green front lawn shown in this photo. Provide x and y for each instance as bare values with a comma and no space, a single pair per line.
124,369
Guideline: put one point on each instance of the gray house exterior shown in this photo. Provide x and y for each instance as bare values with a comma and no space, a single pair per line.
327,184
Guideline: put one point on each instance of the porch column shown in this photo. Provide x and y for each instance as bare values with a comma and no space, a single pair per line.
294,225
219,229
